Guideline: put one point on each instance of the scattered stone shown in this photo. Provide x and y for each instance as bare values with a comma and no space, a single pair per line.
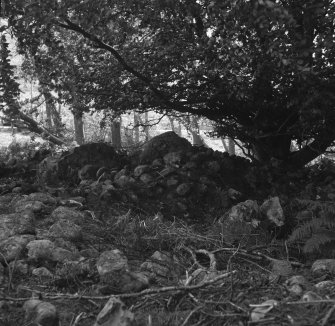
16,223
33,205
146,178
13,247
272,209
247,211
140,169
174,159
67,230
42,273
19,267
66,213
88,172
323,266
45,198
114,313
111,262
75,269
40,249
40,313
89,253
124,181
184,189
161,266
62,255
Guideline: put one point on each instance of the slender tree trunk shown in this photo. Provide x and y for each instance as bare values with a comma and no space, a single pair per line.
78,127
225,146
231,146
178,129
116,134
136,128
146,128
49,107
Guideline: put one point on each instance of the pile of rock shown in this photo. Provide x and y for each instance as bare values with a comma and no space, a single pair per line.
168,174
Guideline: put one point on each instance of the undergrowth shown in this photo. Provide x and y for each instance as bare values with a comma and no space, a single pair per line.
316,227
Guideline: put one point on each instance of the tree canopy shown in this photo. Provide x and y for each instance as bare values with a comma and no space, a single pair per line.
261,70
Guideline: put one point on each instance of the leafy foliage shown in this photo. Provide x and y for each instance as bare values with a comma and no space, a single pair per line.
9,87
263,71
317,227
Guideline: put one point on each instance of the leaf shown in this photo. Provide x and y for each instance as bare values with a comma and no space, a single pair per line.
262,309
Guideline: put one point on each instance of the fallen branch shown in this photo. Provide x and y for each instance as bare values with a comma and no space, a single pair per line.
129,295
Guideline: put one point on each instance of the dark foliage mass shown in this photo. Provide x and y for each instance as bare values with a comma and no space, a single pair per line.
262,71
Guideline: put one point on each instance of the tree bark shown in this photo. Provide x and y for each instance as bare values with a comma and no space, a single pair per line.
136,128
116,134
146,126
78,127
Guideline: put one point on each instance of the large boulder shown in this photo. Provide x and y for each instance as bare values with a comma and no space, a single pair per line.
159,146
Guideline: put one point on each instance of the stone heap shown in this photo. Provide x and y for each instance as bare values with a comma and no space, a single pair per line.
168,174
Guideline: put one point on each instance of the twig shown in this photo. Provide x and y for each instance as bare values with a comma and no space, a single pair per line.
311,302
190,315
328,315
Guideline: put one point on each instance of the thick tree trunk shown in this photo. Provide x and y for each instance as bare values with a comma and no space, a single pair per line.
78,127
311,151
266,148
116,134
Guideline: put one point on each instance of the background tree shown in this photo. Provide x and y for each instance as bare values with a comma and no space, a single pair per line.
262,70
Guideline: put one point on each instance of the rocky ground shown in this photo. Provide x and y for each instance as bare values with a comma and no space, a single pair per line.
171,235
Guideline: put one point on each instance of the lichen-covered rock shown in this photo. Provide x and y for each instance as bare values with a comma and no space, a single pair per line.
16,223
40,249
40,313
32,205
13,247
43,197
323,267
42,273
19,267
67,213
67,230
272,209
110,262
62,255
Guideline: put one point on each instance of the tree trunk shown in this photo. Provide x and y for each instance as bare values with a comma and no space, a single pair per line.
146,127
136,128
197,139
116,134
78,127
231,146
277,147
48,108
